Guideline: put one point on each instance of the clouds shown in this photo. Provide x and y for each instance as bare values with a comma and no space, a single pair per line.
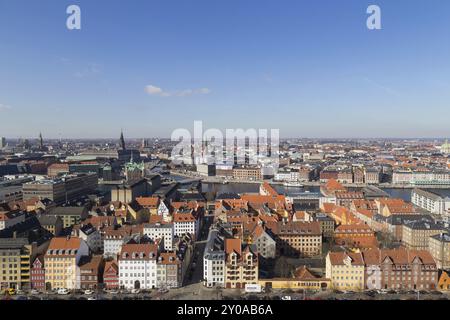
157,91
5,107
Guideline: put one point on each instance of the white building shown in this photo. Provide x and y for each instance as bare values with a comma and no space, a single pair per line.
431,202
438,177
214,260
185,223
287,175
157,231
163,210
113,241
137,266
402,176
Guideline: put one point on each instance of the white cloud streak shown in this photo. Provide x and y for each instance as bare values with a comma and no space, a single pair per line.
157,91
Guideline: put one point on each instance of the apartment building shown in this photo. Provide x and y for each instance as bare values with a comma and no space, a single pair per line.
430,201
345,176
15,260
57,169
69,215
62,262
400,269
157,231
253,174
298,238
61,189
326,223
241,264
345,270
137,266
358,175
90,235
356,236
113,239
185,222
439,248
372,175
37,278
346,198
53,224
169,271
111,275
214,260
416,234
91,272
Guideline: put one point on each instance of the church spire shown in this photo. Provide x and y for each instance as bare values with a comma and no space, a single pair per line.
122,141
41,141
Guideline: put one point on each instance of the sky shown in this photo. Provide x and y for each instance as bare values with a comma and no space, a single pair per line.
310,68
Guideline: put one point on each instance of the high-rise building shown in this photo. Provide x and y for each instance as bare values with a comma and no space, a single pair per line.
2,142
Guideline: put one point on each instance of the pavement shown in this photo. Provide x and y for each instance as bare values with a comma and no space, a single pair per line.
199,292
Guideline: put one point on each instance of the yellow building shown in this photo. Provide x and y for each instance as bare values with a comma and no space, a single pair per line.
444,282
416,234
439,248
302,279
15,257
345,270
241,264
61,263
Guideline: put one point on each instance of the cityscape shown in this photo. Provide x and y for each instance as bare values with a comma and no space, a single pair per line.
360,219
224,158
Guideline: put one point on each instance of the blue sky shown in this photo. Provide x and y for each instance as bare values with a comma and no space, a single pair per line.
308,68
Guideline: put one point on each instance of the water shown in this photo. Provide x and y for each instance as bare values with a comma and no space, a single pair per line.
236,187
232,187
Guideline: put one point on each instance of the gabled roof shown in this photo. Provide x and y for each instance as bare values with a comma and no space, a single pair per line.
303,273
233,245
134,251
339,258
64,246
152,202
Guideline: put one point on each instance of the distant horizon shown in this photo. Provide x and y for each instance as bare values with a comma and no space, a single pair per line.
282,138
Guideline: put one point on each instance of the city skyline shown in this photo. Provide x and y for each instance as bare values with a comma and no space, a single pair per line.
308,69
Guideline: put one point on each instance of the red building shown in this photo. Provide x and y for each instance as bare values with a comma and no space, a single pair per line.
38,274
111,275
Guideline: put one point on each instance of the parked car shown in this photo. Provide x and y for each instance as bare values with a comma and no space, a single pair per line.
63,291
34,291
88,292
10,291
135,291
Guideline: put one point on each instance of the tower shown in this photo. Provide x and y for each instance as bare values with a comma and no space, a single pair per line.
41,141
122,141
